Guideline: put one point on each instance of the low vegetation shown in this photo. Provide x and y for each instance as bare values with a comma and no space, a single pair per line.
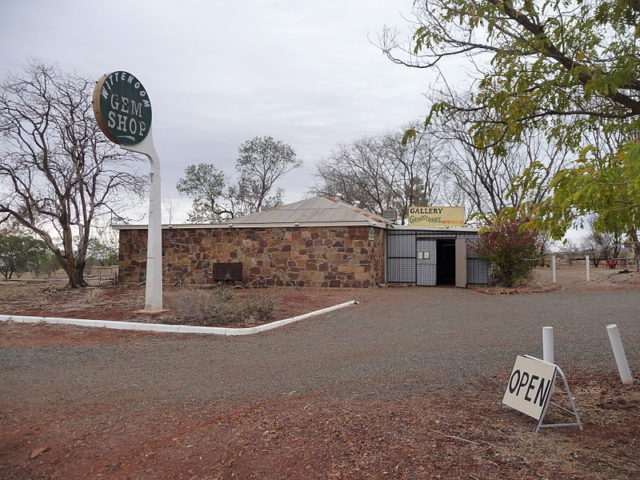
220,306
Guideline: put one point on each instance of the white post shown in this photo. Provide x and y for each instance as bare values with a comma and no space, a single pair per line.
547,345
618,352
553,269
587,267
153,284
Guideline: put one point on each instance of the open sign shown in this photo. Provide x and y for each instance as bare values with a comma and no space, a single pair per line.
530,386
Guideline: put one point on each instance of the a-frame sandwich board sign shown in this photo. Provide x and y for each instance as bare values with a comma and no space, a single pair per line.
530,388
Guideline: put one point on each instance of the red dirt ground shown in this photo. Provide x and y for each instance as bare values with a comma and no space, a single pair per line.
122,302
462,434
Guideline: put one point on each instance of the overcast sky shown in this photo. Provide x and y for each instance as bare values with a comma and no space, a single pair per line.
221,72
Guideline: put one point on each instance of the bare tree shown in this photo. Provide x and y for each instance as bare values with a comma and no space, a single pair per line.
490,179
58,173
416,170
360,173
383,172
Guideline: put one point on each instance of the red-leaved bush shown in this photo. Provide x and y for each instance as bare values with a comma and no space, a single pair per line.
509,248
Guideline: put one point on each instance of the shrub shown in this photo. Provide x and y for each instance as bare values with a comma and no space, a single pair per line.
510,248
219,307
253,309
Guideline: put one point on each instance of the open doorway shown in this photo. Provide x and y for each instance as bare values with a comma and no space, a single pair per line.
446,263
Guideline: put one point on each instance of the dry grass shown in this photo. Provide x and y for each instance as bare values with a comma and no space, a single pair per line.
218,306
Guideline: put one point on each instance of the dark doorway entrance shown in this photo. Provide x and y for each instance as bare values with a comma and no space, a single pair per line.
446,264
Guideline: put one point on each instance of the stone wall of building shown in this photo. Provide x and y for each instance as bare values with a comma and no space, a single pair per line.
300,256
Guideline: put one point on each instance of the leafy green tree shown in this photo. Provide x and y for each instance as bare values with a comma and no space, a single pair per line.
565,67
261,162
102,254
20,254
601,185
205,184
562,64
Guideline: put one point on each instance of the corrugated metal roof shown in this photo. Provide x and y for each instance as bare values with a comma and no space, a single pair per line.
221,226
317,210
437,229
313,212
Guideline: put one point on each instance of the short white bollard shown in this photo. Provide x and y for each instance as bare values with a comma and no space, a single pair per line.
618,352
553,268
587,266
547,345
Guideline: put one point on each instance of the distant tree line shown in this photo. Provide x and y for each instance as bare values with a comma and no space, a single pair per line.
22,253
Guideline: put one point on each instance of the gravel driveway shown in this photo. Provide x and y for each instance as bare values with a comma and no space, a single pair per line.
397,383
417,338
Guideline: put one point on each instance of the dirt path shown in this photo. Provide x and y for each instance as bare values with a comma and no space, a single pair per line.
406,385
574,278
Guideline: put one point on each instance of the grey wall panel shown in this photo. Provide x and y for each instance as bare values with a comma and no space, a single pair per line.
426,275
477,271
401,270
472,242
401,246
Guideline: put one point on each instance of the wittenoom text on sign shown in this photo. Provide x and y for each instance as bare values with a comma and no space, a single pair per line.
530,386
123,109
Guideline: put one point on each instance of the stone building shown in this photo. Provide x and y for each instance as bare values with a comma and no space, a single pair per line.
318,242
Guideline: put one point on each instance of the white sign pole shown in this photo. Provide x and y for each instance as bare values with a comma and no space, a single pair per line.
548,354
153,291
553,268
588,271
618,352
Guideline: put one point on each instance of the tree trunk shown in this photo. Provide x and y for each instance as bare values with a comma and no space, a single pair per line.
76,278
74,271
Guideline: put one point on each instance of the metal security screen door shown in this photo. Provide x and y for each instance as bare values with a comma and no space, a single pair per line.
426,255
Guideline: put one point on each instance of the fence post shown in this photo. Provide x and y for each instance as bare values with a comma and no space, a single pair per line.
548,354
553,269
587,267
618,352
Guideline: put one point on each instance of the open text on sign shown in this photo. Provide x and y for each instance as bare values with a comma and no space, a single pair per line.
530,386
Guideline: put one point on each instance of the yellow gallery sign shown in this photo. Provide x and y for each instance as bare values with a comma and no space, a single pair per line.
436,216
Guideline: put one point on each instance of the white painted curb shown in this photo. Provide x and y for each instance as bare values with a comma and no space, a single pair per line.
159,327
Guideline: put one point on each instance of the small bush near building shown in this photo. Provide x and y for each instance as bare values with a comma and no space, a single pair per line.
509,248
219,307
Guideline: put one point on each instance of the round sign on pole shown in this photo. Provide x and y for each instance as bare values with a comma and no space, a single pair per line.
122,108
